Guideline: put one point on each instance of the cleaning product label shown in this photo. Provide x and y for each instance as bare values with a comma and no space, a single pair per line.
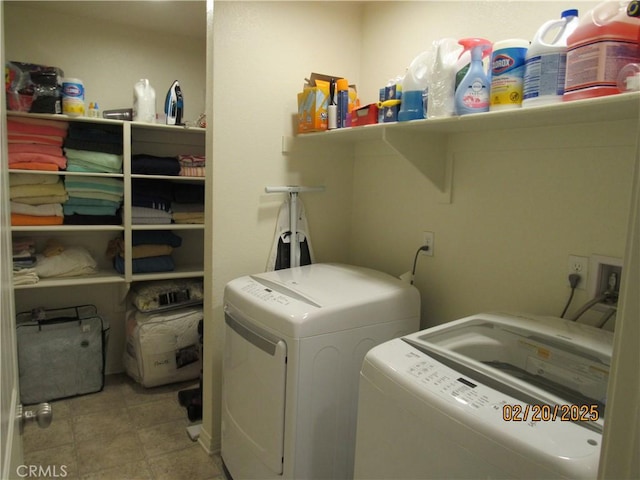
507,77
72,97
476,96
544,75
597,64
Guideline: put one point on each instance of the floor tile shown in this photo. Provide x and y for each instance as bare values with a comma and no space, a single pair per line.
165,437
57,461
59,433
108,451
128,471
108,422
191,463
154,413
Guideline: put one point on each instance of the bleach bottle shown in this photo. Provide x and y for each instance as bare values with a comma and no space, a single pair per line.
472,94
604,42
546,62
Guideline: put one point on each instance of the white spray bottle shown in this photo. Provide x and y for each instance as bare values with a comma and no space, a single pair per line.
472,95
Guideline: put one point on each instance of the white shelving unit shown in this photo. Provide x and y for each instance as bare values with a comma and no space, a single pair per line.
152,139
425,142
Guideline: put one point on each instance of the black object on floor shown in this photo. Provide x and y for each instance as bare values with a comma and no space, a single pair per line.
191,399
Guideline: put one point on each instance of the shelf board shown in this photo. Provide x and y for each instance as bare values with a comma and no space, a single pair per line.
609,108
169,226
139,125
67,228
167,177
69,174
106,277
182,272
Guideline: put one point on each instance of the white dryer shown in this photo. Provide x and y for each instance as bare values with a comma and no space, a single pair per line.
486,396
295,340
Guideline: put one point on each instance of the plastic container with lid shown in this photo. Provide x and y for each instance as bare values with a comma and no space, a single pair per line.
606,39
507,73
546,61
73,97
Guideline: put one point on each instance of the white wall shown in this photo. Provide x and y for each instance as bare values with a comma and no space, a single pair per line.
520,206
108,57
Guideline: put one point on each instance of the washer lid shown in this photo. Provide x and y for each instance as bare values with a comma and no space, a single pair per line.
322,298
549,360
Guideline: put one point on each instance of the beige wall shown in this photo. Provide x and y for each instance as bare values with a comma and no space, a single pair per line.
108,57
522,200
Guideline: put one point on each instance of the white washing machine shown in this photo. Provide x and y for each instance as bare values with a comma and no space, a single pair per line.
295,340
487,396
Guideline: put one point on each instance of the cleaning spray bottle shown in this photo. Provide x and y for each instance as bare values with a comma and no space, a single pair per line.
472,95
174,104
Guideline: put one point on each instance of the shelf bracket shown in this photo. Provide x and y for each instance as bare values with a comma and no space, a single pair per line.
428,153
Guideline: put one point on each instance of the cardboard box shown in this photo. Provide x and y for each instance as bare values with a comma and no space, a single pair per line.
366,115
390,114
312,109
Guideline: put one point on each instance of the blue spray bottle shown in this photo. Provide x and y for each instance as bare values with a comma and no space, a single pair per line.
472,95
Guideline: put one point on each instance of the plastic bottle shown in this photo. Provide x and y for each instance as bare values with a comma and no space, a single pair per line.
73,97
343,101
472,94
414,86
603,43
144,102
440,101
507,73
546,62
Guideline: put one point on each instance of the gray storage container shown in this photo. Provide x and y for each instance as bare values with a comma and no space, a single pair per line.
61,353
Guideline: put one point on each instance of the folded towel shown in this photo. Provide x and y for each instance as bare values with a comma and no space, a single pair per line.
19,191
35,148
192,172
44,210
31,179
152,165
155,237
29,220
72,262
192,160
25,125
25,276
49,167
60,161
37,139
84,160
146,265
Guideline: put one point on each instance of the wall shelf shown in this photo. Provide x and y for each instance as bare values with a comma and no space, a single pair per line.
425,142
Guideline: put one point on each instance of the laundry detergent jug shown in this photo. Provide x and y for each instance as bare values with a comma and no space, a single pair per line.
605,41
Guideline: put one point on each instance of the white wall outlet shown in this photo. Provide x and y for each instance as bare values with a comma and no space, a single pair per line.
428,240
579,265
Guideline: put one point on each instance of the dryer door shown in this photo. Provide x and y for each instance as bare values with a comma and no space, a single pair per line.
253,400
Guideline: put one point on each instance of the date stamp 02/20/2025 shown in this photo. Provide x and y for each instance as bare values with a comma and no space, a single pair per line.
550,413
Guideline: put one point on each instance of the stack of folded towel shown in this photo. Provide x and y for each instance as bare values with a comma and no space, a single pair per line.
188,203
151,201
36,199
192,165
151,251
94,148
153,165
36,144
24,261
93,200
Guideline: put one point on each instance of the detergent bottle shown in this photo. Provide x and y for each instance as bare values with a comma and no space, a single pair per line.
414,89
144,101
604,42
472,94
546,61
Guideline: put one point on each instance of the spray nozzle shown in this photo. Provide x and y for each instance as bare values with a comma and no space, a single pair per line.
480,47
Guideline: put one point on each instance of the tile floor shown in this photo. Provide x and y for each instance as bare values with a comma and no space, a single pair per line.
125,432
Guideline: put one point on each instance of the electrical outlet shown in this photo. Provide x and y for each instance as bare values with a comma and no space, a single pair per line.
580,266
428,239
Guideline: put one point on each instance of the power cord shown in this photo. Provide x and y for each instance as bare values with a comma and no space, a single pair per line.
424,248
574,280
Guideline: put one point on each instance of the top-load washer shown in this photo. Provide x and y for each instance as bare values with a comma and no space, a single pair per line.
486,396
294,344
